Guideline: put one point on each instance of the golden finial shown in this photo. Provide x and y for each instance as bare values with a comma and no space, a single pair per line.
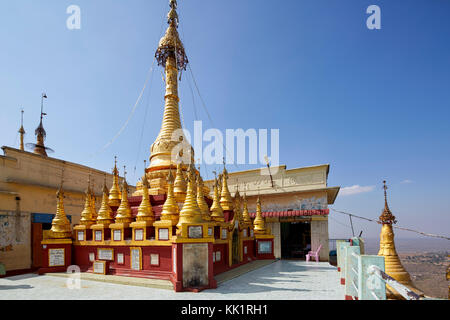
216,208
237,205
201,200
145,211
170,210
259,223
190,213
94,211
21,131
180,183
386,215
225,197
114,193
60,224
87,215
105,214
124,211
245,213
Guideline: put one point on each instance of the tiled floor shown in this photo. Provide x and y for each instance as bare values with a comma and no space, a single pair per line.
282,280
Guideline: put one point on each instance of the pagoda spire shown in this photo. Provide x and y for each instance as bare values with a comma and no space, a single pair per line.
94,211
245,214
87,215
172,57
105,214
21,131
60,224
145,211
115,196
225,197
216,208
124,211
201,199
190,213
40,131
259,223
393,265
170,210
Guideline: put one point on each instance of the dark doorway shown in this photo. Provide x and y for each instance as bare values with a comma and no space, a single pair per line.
295,239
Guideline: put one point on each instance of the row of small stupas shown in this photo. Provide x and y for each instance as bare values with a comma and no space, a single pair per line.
185,203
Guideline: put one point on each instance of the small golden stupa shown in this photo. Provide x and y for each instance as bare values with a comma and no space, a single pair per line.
88,213
259,222
105,214
226,201
115,196
60,224
216,208
245,213
170,210
201,200
393,265
145,210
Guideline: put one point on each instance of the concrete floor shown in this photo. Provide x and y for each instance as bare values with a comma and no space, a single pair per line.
281,280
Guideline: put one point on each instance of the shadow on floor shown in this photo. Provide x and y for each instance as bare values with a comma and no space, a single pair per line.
20,286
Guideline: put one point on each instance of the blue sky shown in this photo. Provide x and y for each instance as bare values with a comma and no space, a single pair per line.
374,104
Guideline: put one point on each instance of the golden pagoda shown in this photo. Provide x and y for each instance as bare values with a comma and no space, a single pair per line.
88,213
123,214
245,213
105,214
171,55
225,197
393,266
115,196
60,224
93,199
259,222
201,200
216,208
190,213
179,184
145,211
237,207
170,211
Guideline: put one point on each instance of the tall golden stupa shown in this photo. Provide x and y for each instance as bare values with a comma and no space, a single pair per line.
393,265
167,152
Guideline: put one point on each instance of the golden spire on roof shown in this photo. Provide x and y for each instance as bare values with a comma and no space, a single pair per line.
216,208
87,215
60,224
114,193
40,132
190,213
259,223
171,55
237,206
201,199
245,214
21,131
225,197
94,211
180,183
124,211
393,265
105,213
145,211
170,210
